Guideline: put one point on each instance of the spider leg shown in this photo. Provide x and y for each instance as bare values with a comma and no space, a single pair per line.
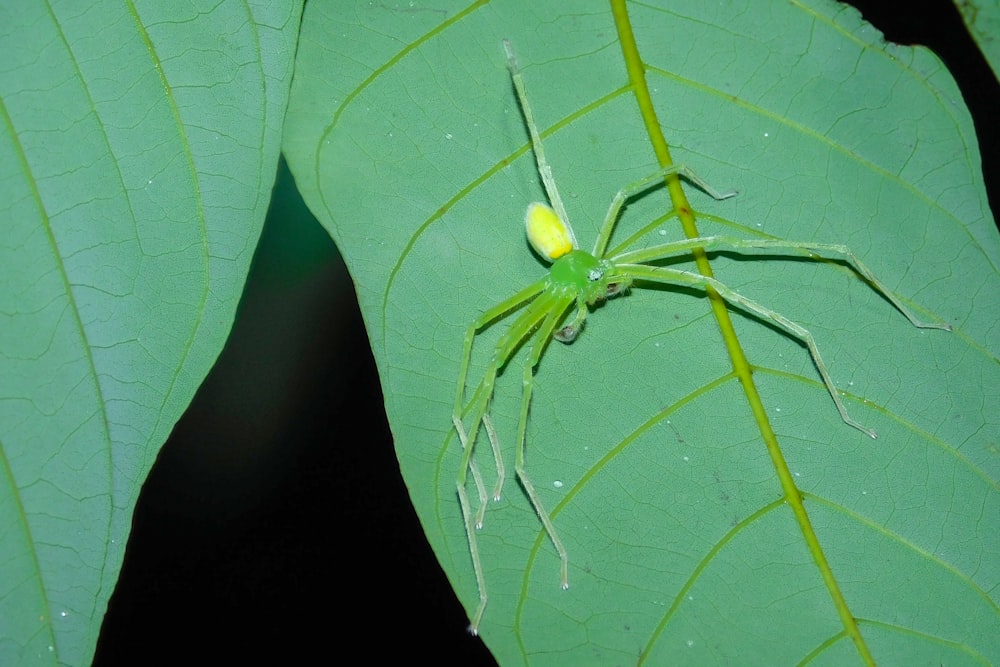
568,333
494,313
513,303
474,469
520,330
643,184
544,169
478,405
534,356
539,310
675,276
829,251
491,433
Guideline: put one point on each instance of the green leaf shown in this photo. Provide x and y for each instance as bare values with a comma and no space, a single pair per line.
405,137
139,146
983,21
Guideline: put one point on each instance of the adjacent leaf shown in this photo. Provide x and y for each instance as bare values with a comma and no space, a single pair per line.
405,138
983,21
139,146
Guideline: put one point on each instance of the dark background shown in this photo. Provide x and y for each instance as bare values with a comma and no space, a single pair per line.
275,526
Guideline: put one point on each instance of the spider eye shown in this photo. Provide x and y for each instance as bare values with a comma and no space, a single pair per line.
594,275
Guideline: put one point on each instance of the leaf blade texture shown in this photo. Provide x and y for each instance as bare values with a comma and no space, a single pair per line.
406,140
138,149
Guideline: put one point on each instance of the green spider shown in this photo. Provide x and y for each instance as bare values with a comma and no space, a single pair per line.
579,280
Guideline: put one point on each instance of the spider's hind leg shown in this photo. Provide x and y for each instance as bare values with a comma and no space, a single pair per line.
544,169
546,330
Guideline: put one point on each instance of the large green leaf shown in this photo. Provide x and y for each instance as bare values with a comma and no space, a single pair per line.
405,138
139,149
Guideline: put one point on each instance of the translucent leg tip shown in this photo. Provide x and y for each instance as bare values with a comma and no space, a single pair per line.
474,625
867,431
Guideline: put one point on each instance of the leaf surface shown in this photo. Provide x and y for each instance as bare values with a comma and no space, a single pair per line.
983,22
139,145
405,138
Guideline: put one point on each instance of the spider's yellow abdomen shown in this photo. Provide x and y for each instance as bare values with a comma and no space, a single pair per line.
548,234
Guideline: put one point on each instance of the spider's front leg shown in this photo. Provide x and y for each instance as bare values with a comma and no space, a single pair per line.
678,277
657,179
830,251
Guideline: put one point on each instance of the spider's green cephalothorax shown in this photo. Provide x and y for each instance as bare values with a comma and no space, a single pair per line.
579,280
588,278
